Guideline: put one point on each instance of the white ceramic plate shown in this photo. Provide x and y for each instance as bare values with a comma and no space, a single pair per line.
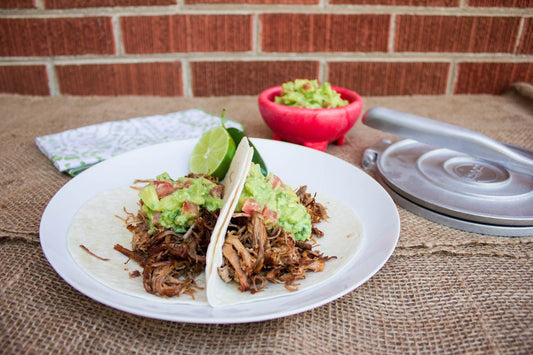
292,163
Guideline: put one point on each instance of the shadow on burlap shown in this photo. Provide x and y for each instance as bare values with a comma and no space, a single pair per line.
443,290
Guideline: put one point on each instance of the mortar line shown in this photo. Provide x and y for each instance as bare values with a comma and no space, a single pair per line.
53,84
41,12
519,36
250,56
256,35
323,72
39,4
392,33
452,77
186,77
117,33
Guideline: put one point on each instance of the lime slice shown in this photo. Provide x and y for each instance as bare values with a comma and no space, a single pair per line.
213,153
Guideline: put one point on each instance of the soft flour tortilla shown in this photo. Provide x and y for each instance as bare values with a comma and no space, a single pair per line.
97,227
234,181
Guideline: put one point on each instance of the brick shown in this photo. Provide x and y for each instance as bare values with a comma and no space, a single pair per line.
246,78
253,2
466,34
500,3
426,3
187,33
390,78
71,4
56,36
324,33
24,80
17,4
526,39
154,79
490,78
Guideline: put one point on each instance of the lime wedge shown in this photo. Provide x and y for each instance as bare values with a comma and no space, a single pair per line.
213,153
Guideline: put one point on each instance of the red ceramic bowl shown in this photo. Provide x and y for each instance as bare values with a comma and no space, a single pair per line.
314,128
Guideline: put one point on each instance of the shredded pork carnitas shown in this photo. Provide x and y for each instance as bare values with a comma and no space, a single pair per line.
171,261
254,256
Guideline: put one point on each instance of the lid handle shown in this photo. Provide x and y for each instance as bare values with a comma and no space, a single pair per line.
445,135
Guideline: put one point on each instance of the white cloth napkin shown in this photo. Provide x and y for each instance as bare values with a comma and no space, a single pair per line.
77,149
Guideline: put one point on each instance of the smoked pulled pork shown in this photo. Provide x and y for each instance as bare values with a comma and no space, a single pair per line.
254,255
171,261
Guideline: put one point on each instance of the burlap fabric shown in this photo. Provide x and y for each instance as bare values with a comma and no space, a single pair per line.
443,290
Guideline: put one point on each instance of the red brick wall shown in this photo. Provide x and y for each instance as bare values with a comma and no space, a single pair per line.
240,47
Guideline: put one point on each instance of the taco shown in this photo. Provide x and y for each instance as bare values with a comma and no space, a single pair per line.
279,240
159,247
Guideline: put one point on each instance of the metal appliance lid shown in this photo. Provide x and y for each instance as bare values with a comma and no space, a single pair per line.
453,188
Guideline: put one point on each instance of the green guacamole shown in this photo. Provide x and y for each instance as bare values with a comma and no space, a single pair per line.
277,202
309,94
175,204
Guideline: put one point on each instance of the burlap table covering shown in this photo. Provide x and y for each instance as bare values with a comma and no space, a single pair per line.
443,290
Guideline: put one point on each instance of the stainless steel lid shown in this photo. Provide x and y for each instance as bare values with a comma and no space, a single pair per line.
453,188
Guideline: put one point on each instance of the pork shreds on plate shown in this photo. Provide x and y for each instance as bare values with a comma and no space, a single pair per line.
255,255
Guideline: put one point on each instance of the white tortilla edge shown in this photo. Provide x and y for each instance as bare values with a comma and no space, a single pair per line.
242,160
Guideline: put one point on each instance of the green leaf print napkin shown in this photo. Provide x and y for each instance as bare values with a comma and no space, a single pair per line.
77,149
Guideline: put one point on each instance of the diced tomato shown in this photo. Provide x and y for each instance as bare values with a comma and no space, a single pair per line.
271,217
164,188
190,208
274,181
217,191
249,206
